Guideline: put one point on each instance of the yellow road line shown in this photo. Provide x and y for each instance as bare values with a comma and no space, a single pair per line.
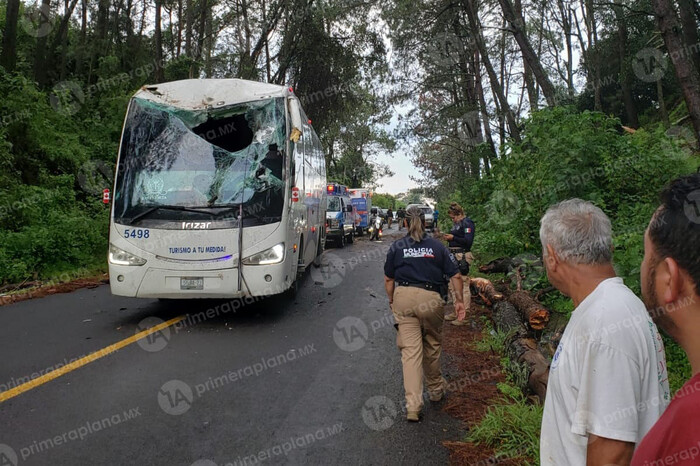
18,390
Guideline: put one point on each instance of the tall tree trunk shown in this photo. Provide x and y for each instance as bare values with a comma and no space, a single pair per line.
528,77
688,78
158,36
690,29
567,31
171,32
8,58
59,46
101,45
625,78
210,45
593,63
496,86
189,12
40,65
529,53
82,40
267,43
202,29
179,29
482,105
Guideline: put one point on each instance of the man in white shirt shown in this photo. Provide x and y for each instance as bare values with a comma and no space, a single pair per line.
607,382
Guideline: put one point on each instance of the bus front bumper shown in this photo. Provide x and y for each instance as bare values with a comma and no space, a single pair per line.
151,282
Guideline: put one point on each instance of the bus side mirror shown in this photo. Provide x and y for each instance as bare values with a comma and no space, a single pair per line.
348,208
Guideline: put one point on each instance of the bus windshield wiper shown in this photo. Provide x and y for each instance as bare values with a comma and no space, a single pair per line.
170,207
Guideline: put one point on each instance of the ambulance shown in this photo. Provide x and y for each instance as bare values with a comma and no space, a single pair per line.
340,215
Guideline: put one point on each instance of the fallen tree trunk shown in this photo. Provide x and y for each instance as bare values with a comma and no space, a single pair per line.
486,291
506,318
524,350
534,313
501,265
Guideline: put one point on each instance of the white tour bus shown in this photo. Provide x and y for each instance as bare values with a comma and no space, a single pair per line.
219,192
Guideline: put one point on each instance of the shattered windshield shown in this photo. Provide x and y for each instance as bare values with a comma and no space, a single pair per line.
333,204
177,164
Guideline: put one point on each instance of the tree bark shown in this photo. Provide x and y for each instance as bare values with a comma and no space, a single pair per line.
60,41
496,86
592,62
528,77
690,29
482,105
625,78
688,78
40,65
501,265
567,29
158,38
506,318
189,11
201,27
533,312
529,53
524,350
8,58
180,22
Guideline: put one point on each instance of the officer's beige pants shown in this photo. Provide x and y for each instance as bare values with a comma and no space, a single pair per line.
466,291
419,314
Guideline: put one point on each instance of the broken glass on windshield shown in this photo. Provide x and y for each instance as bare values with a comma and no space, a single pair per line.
184,164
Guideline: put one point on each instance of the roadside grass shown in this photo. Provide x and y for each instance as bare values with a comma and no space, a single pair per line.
493,340
512,425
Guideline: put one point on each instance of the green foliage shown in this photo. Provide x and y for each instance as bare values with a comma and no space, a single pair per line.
385,201
565,154
511,427
678,367
492,339
50,222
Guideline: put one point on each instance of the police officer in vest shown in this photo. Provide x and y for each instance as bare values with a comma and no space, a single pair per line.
414,273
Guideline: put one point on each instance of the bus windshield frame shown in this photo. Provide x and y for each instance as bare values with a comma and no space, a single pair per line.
180,165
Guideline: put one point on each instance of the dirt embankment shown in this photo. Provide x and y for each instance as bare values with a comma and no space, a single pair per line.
473,377
15,293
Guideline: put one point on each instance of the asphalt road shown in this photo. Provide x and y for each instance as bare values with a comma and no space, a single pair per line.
314,379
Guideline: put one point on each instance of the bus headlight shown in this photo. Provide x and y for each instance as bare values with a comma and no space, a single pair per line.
335,223
120,257
274,255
